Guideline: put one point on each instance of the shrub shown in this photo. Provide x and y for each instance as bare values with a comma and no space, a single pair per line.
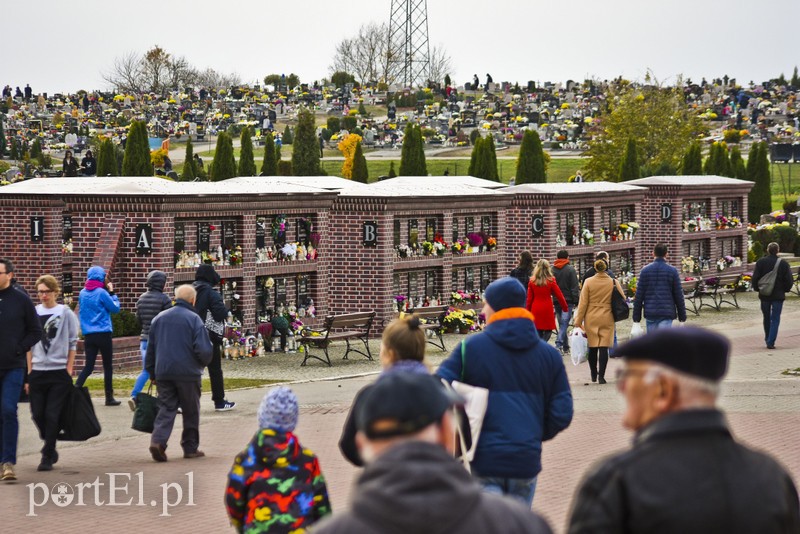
334,125
474,136
530,163
305,156
288,137
136,161
732,136
284,168
157,157
755,252
362,110
790,206
629,169
125,324
224,164
349,123
269,167
247,166
189,172
360,171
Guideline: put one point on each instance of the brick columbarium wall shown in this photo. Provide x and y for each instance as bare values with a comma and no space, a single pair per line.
62,226
672,202
545,218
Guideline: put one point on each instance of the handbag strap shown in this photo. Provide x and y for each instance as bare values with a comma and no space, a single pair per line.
463,358
777,262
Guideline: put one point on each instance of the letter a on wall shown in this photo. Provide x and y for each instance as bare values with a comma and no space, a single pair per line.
144,239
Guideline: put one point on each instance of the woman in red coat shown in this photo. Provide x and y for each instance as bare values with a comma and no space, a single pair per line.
542,287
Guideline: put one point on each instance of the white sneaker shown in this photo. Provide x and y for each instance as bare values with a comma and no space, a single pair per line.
224,406
8,471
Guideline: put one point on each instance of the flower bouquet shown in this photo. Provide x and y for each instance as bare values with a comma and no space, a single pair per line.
474,239
237,256
458,320
279,228
404,251
427,248
587,236
457,247
399,301
491,243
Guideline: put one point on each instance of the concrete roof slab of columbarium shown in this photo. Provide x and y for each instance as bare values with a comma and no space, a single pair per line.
688,181
331,183
151,186
578,188
426,186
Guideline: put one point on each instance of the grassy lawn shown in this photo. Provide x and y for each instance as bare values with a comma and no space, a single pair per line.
785,183
123,386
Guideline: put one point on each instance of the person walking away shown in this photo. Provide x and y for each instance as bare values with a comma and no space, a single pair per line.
524,269
402,349
684,472
19,331
595,318
529,396
590,272
275,477
209,302
542,289
772,304
567,280
659,292
178,349
150,303
50,364
96,303
411,482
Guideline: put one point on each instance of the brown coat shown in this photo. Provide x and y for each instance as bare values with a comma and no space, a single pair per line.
594,310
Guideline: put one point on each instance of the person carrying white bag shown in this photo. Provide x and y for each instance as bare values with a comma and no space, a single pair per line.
578,346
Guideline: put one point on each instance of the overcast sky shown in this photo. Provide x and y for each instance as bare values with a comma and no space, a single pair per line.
58,45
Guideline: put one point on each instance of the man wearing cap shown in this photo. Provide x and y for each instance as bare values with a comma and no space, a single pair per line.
411,482
529,396
685,472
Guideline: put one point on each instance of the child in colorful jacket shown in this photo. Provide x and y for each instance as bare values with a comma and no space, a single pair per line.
275,485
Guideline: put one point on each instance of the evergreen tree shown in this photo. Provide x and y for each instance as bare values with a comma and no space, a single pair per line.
475,156
247,166
269,167
737,164
305,154
491,159
412,155
752,157
760,199
795,79
36,148
189,172
362,110
530,164
224,164
392,173
629,169
14,149
2,138
710,164
692,164
137,152
107,159
287,138
360,171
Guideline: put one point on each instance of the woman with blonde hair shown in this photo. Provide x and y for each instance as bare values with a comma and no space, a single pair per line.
50,364
402,350
595,318
542,288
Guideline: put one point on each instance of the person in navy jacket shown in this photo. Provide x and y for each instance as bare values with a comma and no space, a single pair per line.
659,292
530,400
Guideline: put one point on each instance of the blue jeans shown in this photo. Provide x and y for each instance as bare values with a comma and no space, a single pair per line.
771,310
10,388
521,489
144,376
655,324
563,323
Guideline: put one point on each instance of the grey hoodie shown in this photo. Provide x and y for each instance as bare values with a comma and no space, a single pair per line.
59,336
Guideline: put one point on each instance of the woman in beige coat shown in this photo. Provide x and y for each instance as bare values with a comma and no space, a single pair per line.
595,317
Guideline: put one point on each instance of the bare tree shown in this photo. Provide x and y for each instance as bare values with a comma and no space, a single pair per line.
365,55
125,74
441,64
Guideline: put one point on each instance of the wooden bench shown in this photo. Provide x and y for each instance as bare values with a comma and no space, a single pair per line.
796,286
338,328
431,318
690,293
721,291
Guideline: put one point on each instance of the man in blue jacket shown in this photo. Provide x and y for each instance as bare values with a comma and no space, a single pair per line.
529,397
659,291
178,349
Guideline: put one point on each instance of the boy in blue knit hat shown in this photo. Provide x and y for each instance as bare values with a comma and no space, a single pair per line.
276,485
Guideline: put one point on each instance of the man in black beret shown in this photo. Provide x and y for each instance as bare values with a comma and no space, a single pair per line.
685,472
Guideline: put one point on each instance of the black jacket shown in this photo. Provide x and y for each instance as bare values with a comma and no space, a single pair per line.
20,328
686,473
590,272
523,275
416,487
152,302
783,282
567,280
179,347
209,298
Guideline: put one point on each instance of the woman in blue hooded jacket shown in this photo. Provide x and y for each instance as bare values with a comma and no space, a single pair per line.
96,303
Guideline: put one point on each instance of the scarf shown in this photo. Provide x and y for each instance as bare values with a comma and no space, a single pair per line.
93,284
560,263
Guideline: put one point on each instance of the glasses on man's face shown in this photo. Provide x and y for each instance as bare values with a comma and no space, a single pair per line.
44,291
4,272
624,372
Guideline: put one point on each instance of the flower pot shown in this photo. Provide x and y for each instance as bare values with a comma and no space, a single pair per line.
463,330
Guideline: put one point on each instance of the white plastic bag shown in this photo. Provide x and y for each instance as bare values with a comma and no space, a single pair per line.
637,330
578,346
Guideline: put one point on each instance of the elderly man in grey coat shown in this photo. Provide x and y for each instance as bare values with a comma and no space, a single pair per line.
177,352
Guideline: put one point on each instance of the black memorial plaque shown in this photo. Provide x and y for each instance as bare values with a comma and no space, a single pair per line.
180,237
228,235
203,237
261,232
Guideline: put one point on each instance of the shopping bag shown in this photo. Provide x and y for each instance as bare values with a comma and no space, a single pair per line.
636,330
78,420
144,416
578,346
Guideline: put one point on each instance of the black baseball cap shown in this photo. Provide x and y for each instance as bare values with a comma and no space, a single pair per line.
401,403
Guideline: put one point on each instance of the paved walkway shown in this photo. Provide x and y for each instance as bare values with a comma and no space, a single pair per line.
762,404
